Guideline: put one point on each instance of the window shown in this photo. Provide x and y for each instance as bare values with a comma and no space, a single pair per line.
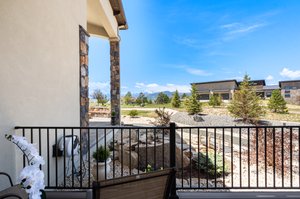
288,87
287,94
225,96
203,97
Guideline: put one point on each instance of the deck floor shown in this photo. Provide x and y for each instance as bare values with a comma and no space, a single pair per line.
240,195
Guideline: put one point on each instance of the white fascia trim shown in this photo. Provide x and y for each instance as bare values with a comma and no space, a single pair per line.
109,21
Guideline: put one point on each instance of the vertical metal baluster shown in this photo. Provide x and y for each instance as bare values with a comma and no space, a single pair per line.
181,156
122,162
113,131
155,168
146,148
23,134
291,155
198,154
64,137
282,157
299,155
266,169
191,155
40,146
97,146
56,166
223,154
231,140
80,133
257,182
138,141
274,166
129,151
163,148
89,158
248,132
215,159
206,157
48,157
240,151
72,152
105,163
31,135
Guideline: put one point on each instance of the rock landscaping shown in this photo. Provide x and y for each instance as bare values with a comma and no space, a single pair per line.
137,149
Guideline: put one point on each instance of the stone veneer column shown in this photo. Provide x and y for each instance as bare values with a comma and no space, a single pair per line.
115,79
84,86
84,78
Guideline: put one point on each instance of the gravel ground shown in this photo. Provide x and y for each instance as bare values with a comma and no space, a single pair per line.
218,120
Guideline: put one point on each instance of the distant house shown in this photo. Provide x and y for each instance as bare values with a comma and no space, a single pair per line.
290,90
225,88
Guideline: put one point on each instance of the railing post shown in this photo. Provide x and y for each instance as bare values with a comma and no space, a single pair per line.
173,158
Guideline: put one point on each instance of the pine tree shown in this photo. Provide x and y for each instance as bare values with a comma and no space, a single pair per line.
141,99
277,103
128,99
162,98
183,96
215,100
245,103
176,100
99,96
193,106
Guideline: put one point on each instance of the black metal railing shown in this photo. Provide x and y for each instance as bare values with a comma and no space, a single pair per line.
245,157
68,152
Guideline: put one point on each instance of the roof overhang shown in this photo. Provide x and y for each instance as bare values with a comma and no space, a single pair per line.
119,13
105,18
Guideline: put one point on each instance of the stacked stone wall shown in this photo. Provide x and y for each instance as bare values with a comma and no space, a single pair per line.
115,79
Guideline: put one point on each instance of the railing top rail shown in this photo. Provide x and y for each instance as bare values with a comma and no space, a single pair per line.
98,127
234,127
155,127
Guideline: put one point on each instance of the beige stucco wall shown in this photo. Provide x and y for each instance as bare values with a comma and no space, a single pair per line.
39,67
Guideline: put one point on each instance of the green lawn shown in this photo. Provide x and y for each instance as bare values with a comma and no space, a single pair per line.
293,116
169,105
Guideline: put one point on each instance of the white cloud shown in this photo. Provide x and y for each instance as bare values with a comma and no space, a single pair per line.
187,41
234,30
238,78
103,86
290,74
195,71
230,25
269,78
245,29
153,87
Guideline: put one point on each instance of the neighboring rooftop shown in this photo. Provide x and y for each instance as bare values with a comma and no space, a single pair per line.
256,82
271,87
252,82
221,81
289,81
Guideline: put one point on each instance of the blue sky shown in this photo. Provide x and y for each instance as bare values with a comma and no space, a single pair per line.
172,43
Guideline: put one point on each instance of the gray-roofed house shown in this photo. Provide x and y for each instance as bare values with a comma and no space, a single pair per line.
290,90
225,88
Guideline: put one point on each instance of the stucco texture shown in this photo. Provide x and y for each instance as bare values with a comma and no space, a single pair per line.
39,68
